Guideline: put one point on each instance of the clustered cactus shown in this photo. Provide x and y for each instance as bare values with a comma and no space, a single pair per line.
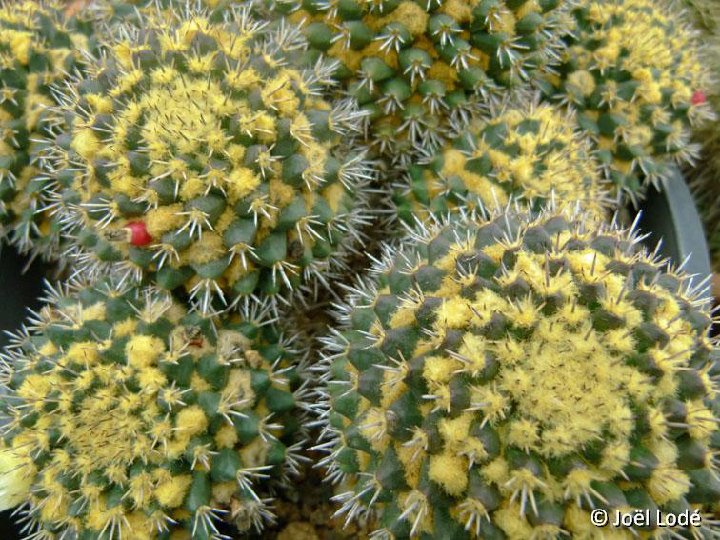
38,48
135,418
500,377
210,171
422,67
528,152
204,157
633,72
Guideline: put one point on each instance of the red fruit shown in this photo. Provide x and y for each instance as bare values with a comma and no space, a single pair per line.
698,97
139,235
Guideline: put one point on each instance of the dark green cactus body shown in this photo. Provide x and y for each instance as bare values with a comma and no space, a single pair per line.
501,377
137,418
209,161
421,69
633,71
39,47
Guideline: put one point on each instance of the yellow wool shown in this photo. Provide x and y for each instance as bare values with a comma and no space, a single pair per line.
374,429
209,248
163,219
454,162
239,386
439,369
16,476
55,505
143,351
402,317
334,194
48,348
241,182
151,379
264,125
523,433
20,45
510,519
255,453
454,313
222,492
412,459
171,493
450,471
226,437
473,349
99,103
459,10
701,420
36,387
95,312
140,526
83,352
668,484
583,81
191,421
86,143
124,328
410,15
456,430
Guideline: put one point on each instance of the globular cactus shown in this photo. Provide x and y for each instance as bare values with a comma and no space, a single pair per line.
530,152
421,68
38,48
705,14
634,73
206,159
501,377
134,418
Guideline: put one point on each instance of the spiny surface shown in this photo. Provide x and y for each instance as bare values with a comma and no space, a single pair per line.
529,152
38,48
207,160
136,419
422,67
634,73
502,377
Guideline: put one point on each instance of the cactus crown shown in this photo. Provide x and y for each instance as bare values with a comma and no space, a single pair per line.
421,67
634,74
208,160
135,417
38,48
529,152
503,376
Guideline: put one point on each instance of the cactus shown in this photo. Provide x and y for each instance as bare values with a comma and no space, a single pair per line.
207,160
705,14
527,152
135,418
634,73
38,48
422,67
500,377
